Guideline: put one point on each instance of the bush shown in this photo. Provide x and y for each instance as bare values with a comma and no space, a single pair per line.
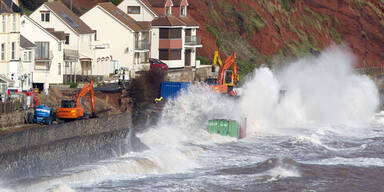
73,85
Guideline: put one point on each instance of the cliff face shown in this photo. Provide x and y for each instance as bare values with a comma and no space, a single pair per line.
291,27
261,29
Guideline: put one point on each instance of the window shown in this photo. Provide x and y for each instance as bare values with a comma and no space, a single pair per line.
67,39
144,57
95,35
27,56
59,69
170,54
42,51
183,11
45,16
168,11
13,53
133,10
59,46
173,33
3,51
14,23
3,22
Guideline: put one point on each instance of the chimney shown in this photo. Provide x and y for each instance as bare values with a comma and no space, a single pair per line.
16,2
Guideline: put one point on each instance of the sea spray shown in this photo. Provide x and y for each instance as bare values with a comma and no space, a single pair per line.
322,91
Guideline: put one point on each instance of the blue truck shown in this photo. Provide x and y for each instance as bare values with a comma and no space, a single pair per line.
44,115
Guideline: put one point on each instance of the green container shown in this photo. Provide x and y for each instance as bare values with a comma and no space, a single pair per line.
213,126
224,127
234,130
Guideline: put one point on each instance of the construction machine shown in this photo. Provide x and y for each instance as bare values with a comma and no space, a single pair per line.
216,58
72,109
226,78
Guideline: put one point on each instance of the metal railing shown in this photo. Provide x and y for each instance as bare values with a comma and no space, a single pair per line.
71,55
141,44
192,40
43,63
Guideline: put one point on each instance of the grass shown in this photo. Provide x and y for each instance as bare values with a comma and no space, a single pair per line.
204,60
287,4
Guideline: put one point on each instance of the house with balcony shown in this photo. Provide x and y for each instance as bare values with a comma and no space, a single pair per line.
10,41
128,40
173,34
43,54
79,48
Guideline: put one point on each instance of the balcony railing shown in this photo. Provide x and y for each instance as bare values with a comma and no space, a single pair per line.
43,63
71,55
192,40
141,44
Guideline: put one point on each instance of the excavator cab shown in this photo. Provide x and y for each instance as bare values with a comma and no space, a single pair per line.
68,103
228,76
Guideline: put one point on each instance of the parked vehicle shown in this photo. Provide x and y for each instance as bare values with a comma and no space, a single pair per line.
157,64
72,109
172,89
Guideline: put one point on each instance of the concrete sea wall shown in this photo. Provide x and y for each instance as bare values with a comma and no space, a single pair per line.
46,150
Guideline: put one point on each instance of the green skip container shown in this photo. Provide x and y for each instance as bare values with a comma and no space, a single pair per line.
226,128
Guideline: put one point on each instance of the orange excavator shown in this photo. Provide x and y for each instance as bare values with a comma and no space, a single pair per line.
226,78
72,109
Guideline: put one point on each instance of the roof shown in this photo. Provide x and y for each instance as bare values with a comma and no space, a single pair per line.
177,3
25,43
4,78
123,17
69,17
174,21
167,21
157,3
7,6
146,25
189,21
149,6
58,34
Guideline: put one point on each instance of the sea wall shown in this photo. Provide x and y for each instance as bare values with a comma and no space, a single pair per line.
46,150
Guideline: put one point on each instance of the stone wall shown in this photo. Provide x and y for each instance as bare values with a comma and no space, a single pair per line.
189,74
11,119
46,150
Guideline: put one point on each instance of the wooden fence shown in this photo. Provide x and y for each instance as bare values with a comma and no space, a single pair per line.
11,106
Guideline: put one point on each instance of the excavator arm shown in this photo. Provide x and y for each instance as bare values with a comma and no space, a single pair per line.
87,88
216,59
230,61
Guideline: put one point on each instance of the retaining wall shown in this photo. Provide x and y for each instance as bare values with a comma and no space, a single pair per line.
46,150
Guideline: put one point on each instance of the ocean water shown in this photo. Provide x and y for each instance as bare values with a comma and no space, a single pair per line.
324,134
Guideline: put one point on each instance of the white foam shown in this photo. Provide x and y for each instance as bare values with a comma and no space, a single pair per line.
61,188
321,92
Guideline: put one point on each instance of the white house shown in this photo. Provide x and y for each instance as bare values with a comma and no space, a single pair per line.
49,53
27,50
174,37
10,40
128,39
79,48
